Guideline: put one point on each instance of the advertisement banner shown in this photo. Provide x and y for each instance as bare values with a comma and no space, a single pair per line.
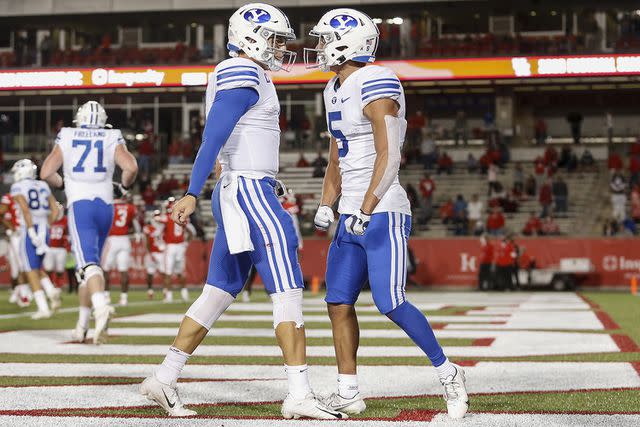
441,262
524,67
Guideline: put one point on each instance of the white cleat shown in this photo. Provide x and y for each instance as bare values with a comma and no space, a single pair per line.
79,334
455,394
102,316
309,407
56,302
123,300
184,293
41,314
245,296
352,406
166,396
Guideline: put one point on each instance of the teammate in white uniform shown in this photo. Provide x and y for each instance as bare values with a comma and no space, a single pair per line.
39,209
365,109
88,155
253,229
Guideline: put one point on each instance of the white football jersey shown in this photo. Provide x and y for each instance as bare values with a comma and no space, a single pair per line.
353,132
36,193
254,143
88,162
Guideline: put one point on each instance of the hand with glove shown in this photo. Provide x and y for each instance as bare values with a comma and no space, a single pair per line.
324,217
119,190
36,241
357,224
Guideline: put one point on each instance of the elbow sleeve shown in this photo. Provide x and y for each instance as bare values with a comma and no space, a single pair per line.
394,128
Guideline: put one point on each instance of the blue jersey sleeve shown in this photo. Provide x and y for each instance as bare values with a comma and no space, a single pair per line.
227,108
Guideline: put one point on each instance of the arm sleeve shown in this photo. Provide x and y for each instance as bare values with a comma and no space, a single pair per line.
227,108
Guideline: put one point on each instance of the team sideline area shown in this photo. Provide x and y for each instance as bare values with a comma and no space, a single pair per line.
531,359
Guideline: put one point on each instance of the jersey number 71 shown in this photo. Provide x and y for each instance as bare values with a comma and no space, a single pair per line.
88,145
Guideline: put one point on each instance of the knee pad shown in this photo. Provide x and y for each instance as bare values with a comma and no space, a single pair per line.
91,270
209,306
287,307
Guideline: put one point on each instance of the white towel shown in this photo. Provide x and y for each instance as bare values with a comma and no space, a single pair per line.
236,224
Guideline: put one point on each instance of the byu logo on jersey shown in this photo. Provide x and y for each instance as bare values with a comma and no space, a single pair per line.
258,16
343,22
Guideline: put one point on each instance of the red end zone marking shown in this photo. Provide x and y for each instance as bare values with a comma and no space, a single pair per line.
636,366
416,415
606,320
466,362
483,342
438,325
588,301
625,343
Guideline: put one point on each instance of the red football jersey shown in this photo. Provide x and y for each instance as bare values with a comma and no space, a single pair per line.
123,215
152,237
57,233
172,233
13,213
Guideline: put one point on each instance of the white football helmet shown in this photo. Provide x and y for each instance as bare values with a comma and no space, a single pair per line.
261,31
344,35
91,115
23,169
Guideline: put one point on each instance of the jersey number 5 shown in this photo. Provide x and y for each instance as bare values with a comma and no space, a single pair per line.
87,144
341,139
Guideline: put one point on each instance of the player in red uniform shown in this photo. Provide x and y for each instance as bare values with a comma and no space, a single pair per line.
21,292
117,248
154,259
174,238
56,257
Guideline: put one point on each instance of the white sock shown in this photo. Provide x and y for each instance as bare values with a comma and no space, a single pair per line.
99,300
347,385
169,371
298,380
446,370
47,285
169,296
124,297
83,317
41,300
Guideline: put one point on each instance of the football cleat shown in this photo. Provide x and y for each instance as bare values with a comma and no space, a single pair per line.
102,316
352,406
124,300
150,294
41,314
309,407
455,394
166,396
56,302
79,334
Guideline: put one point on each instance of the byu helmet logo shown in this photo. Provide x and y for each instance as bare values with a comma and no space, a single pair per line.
343,22
258,16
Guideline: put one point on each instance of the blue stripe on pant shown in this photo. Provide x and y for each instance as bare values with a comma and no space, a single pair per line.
380,256
89,225
272,234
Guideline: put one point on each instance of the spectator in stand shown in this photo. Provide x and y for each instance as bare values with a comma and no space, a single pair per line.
149,196
447,212
412,195
175,152
565,155
560,193
634,170
533,226
539,170
318,170
495,222
460,205
302,161
460,223
460,128
550,156
575,122
550,227
472,164
608,125
320,161
427,188
474,209
415,124
518,178
445,164
485,162
492,179
428,150
587,162
485,273
540,131
145,153
618,189
545,198
629,227
187,152
614,163
505,260
635,203
572,163
610,227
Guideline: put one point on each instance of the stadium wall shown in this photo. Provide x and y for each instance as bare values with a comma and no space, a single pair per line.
441,262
